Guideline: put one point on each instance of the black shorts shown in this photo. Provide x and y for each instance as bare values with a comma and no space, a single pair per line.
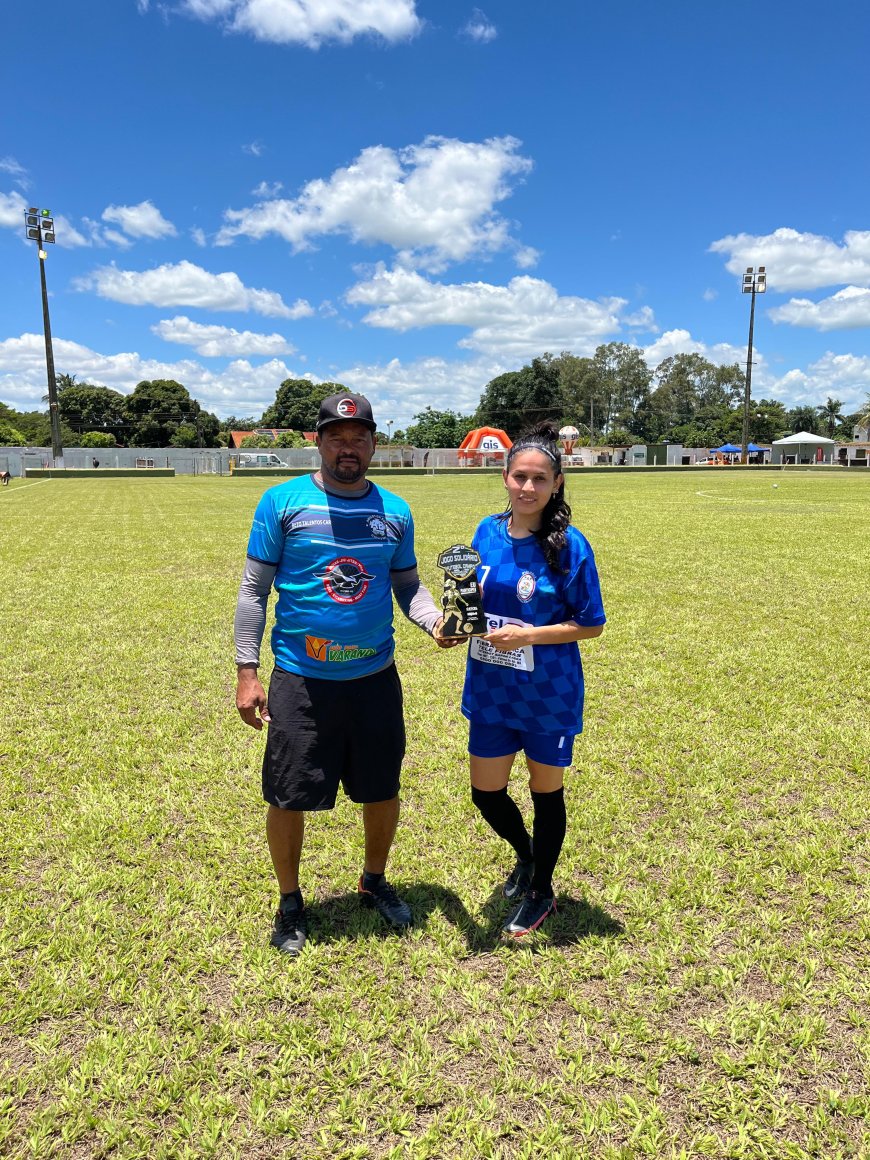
326,732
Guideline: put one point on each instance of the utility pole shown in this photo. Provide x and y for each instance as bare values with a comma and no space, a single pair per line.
754,282
39,228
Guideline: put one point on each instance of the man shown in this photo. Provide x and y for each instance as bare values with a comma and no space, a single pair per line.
336,548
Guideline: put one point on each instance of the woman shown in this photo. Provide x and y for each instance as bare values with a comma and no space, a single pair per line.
524,678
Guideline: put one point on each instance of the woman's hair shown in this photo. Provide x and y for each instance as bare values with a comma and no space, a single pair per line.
556,516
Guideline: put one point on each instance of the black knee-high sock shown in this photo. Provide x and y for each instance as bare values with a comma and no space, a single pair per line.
503,814
548,833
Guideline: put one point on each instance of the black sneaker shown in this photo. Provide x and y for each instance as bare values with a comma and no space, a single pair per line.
289,928
531,912
386,902
518,881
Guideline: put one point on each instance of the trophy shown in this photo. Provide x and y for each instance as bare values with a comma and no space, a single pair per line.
461,601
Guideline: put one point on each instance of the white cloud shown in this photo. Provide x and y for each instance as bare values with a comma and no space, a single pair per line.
12,207
185,284
67,235
524,318
267,189
526,257
312,22
673,342
198,236
239,387
400,390
217,341
17,172
140,221
710,295
480,28
642,319
846,310
800,261
844,376
255,149
433,202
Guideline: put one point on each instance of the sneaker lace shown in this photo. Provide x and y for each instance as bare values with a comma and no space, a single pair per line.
288,921
387,892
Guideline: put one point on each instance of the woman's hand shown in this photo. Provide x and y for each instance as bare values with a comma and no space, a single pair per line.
509,636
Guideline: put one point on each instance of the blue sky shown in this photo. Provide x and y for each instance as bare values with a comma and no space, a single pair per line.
411,196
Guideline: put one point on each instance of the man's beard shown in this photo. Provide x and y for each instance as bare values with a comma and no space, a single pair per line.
347,470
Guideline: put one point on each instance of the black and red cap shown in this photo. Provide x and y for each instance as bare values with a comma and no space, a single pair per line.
341,408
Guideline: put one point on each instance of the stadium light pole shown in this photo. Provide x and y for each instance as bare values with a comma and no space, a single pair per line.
39,228
390,423
754,282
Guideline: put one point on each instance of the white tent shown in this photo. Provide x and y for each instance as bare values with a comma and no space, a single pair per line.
803,447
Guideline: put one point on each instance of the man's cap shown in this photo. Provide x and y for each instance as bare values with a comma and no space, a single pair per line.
340,408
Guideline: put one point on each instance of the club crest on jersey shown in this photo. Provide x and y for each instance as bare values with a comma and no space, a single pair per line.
526,587
377,526
345,580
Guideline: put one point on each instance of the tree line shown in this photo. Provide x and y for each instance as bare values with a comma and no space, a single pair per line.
612,397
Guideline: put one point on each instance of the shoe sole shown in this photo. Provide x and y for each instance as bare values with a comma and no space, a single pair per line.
530,929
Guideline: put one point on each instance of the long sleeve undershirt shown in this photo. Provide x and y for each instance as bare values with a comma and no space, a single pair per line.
414,599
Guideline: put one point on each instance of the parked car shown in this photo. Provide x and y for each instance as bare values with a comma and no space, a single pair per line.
261,459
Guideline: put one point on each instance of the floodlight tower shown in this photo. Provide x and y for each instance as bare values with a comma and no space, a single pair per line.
39,228
754,282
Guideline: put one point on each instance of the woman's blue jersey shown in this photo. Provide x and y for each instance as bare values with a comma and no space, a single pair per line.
334,555
538,688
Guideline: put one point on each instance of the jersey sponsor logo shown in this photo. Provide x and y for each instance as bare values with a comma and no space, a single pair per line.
315,647
328,651
377,526
345,580
346,407
526,587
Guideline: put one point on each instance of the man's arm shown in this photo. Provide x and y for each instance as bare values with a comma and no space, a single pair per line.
248,628
415,600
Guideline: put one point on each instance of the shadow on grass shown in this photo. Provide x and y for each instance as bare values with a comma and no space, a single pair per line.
342,917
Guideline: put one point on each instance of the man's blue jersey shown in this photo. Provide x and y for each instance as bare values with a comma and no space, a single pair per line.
334,555
538,688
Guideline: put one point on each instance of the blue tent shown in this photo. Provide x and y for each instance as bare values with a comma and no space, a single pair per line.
726,449
753,448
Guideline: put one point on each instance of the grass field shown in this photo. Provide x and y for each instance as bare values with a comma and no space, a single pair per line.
704,990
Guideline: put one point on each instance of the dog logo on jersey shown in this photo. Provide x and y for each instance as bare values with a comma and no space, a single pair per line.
377,526
345,580
346,408
526,587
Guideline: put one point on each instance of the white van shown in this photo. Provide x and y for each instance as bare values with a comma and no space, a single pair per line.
261,459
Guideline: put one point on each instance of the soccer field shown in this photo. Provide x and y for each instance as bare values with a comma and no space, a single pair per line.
704,988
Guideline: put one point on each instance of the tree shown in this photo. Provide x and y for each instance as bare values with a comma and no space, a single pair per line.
518,400
97,439
831,415
438,428
297,404
691,391
289,439
88,408
862,418
10,436
257,441
768,420
607,389
157,408
803,418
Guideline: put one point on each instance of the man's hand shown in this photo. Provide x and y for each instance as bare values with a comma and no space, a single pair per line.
251,698
441,640
508,637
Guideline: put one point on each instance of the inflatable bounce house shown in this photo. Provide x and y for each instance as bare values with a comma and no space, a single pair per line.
482,445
